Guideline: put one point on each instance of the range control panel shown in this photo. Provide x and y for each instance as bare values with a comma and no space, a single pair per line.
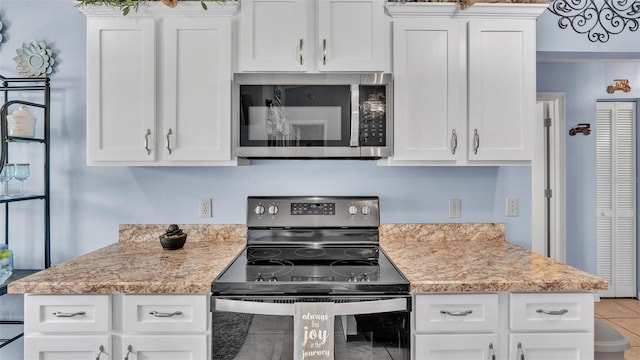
312,211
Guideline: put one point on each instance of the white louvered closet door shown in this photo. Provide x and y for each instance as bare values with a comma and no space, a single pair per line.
616,197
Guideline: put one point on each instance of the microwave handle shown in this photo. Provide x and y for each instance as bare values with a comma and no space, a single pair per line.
355,115
287,309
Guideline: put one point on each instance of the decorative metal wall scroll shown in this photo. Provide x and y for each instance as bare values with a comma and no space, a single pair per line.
620,84
599,19
580,128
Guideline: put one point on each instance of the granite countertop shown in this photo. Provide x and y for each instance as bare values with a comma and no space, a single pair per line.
434,257
476,257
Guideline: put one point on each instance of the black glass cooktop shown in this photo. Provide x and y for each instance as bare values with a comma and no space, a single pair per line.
298,270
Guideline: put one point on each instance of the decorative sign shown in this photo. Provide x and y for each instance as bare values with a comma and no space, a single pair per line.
313,331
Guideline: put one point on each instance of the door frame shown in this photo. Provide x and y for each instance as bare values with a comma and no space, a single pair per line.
554,106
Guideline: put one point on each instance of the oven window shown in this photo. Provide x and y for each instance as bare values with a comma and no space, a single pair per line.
295,115
239,336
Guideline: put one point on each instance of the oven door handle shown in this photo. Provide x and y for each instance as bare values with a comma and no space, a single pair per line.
287,309
355,116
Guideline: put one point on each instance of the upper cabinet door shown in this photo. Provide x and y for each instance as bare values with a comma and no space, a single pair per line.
121,89
196,79
429,70
351,35
502,93
274,35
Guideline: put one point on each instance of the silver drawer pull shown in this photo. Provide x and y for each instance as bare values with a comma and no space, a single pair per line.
553,312
129,352
492,353
454,141
67,315
520,352
169,140
146,141
456,313
100,352
164,314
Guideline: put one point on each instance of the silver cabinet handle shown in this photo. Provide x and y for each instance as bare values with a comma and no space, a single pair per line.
129,351
146,141
100,352
552,312
300,52
454,141
520,352
476,141
67,315
324,51
164,314
492,353
169,140
456,313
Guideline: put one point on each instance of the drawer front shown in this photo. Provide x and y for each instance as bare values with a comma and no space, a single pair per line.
457,313
165,313
551,311
67,313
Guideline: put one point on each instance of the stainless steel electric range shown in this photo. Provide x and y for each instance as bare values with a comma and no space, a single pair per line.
311,250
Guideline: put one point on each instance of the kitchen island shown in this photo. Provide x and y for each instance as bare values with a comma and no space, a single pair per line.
124,291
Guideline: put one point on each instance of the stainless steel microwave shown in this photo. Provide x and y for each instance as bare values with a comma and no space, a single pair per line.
312,116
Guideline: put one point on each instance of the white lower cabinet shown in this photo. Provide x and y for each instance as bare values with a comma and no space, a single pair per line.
160,347
132,327
514,326
68,347
456,347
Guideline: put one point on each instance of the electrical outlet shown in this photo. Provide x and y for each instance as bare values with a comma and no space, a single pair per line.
205,208
454,208
512,206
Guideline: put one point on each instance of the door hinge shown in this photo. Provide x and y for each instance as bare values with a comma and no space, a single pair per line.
548,193
547,122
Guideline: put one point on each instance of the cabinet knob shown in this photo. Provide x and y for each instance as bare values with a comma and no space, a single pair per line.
324,51
164,314
552,312
476,141
300,53
456,313
169,140
67,315
146,141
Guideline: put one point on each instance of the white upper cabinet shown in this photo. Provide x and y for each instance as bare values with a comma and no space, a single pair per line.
429,71
169,102
464,83
502,89
312,35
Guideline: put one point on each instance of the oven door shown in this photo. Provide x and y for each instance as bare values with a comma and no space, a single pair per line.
250,328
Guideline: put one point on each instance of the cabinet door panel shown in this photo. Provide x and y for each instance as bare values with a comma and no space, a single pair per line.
456,347
429,89
163,347
196,89
274,36
75,347
551,346
502,94
120,89
351,35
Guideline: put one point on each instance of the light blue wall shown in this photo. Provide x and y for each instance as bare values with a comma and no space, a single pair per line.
90,202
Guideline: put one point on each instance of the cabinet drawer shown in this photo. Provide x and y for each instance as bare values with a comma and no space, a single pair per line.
164,313
67,347
67,313
468,312
549,312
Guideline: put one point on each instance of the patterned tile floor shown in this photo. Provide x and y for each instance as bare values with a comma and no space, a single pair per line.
624,316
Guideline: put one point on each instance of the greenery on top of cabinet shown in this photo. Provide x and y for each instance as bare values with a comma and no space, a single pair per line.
127,5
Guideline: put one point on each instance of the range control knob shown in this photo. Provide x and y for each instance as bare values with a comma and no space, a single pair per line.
366,210
352,209
273,209
259,210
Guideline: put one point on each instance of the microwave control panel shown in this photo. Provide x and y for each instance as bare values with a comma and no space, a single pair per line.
373,115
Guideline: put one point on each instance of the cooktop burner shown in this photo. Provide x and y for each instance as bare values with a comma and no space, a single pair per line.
296,246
